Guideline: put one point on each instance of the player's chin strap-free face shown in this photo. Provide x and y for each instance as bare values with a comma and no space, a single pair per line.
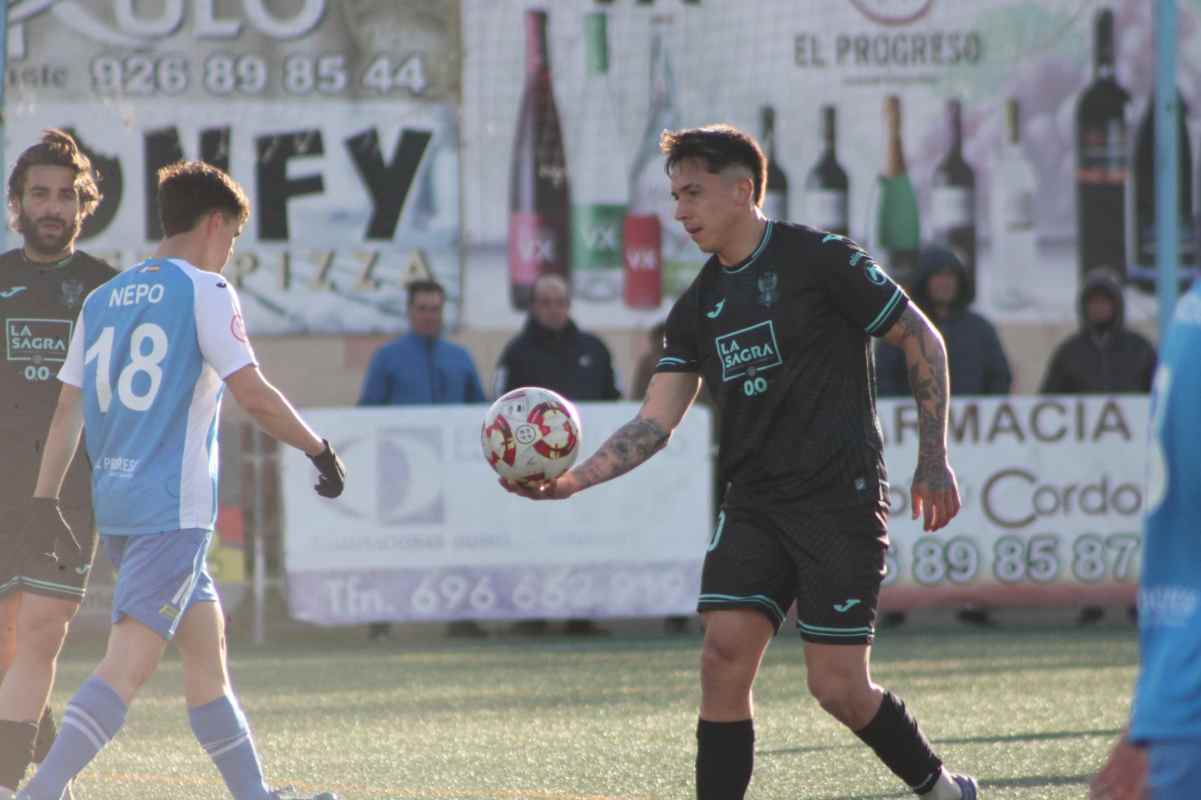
332,477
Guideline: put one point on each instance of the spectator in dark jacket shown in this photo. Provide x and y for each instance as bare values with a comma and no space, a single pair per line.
975,358
553,353
1103,357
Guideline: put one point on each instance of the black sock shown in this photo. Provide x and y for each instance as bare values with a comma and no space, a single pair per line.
46,733
725,754
898,742
16,751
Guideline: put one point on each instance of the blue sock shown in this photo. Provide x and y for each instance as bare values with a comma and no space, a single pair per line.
221,729
91,720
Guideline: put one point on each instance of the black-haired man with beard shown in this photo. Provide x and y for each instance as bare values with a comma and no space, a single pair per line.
51,191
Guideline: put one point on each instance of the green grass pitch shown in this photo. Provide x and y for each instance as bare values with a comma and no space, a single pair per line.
1031,711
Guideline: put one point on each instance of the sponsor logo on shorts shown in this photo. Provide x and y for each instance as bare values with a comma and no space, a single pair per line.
748,351
37,340
850,603
169,611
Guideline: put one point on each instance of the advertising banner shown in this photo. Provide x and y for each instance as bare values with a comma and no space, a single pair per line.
1053,495
339,119
424,532
1017,132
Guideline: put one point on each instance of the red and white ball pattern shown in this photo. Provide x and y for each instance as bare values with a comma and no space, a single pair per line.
531,434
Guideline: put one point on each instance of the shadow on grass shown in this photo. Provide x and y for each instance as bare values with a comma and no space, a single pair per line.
1010,738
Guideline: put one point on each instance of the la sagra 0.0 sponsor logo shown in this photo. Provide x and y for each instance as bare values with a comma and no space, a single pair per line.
893,12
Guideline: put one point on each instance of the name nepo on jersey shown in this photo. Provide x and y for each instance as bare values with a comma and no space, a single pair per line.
134,293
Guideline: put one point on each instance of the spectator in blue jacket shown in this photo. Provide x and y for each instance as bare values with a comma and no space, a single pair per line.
422,368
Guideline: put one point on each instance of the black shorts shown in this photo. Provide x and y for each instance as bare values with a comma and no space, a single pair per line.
830,562
28,566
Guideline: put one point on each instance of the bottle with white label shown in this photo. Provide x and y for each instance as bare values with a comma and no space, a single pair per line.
826,186
1012,278
953,199
775,194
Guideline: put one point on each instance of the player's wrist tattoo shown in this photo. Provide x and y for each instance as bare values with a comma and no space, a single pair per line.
928,381
629,446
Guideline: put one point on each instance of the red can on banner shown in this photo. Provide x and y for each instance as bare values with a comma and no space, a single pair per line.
642,260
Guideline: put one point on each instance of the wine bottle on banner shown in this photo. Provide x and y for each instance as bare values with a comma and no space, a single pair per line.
953,199
599,177
1102,158
775,194
646,245
539,197
1012,275
826,186
1141,267
898,227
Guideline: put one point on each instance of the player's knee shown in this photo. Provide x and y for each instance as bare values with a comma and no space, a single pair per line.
42,635
834,691
722,661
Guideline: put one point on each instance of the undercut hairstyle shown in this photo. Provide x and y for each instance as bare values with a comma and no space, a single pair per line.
718,147
421,287
188,190
57,149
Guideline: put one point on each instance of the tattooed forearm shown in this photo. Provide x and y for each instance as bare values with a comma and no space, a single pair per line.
629,446
926,359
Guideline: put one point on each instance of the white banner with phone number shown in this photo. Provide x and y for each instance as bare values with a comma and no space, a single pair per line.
423,532
1053,495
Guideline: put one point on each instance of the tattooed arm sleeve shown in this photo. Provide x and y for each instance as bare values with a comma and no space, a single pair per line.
926,364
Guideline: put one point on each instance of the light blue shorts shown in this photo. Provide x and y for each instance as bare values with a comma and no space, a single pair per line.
160,576
1173,768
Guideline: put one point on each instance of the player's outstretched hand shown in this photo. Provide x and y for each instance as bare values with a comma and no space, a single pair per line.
934,493
1123,776
560,488
332,478
45,517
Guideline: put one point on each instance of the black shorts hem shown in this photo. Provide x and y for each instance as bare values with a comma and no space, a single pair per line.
20,584
863,637
741,605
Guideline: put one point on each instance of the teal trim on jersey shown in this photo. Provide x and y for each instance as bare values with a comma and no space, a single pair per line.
670,361
819,630
721,526
11,582
756,599
883,315
758,250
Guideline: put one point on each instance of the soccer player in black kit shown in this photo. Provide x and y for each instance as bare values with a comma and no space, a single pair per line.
778,324
51,191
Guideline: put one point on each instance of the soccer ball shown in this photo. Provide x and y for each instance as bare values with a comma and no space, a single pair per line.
531,434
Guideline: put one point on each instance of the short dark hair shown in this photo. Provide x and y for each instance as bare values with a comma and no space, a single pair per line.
425,285
57,149
187,190
718,146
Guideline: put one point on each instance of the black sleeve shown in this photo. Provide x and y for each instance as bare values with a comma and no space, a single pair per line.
680,350
859,289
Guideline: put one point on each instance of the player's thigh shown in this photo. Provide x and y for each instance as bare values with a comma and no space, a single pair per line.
747,568
840,564
9,604
42,623
1173,769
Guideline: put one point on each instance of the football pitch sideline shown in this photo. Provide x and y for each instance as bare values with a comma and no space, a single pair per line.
1031,711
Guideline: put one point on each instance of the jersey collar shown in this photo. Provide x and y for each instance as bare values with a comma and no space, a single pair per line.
746,262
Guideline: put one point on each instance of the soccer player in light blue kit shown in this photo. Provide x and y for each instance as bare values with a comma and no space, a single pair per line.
148,361
1165,722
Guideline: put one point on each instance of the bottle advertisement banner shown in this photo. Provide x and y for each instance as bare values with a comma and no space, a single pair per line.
1017,132
340,119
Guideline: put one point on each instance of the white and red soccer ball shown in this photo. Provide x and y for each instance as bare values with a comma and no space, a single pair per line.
531,434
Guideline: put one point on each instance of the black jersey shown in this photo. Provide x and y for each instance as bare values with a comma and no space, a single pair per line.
39,304
783,342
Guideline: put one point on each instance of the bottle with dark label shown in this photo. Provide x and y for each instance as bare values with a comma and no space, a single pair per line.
1101,158
1141,267
775,195
953,199
898,228
826,186
539,197
600,186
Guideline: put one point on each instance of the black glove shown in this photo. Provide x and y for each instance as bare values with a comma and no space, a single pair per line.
44,518
333,472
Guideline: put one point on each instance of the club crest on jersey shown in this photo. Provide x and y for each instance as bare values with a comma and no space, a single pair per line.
37,340
748,351
769,289
70,292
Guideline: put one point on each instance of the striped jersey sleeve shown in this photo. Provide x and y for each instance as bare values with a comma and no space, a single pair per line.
858,287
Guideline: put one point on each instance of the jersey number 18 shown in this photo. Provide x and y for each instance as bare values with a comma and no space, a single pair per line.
101,351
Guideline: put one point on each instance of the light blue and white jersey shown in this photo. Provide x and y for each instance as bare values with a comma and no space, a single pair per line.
1167,700
150,352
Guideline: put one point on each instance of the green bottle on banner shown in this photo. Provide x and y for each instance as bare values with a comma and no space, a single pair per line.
898,230
600,189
